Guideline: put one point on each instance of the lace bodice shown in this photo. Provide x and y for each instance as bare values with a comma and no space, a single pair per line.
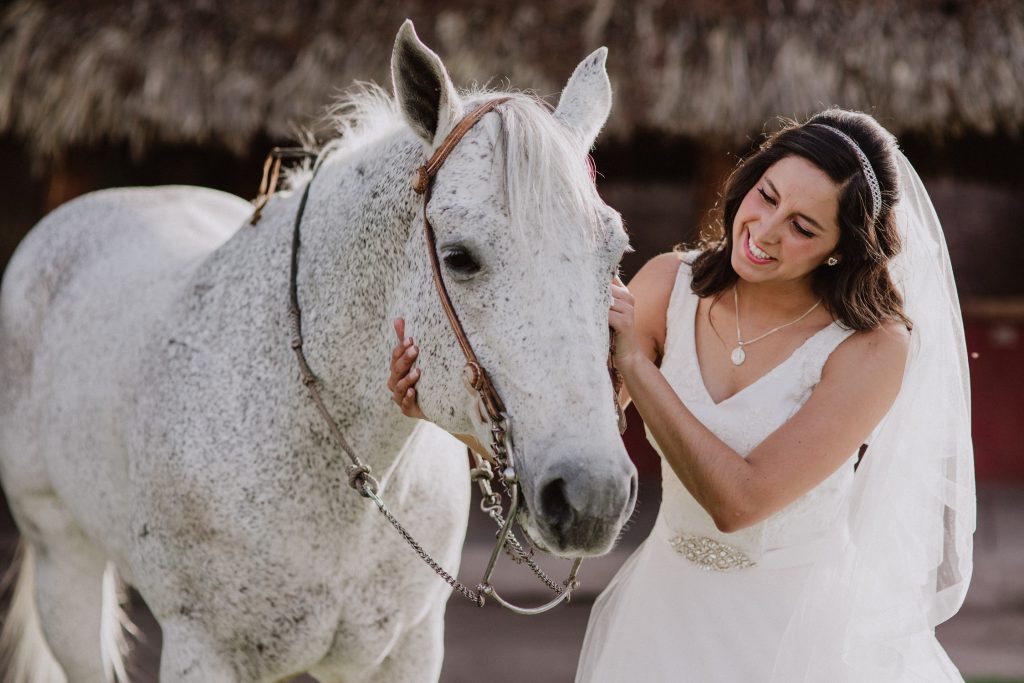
742,421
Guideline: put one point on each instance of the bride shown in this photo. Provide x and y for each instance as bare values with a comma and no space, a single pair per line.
803,377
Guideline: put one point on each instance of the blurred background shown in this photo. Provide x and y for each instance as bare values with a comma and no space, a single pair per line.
97,93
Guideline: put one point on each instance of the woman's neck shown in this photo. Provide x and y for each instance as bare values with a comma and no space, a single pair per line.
775,302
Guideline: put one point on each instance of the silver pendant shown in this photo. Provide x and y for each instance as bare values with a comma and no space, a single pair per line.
738,355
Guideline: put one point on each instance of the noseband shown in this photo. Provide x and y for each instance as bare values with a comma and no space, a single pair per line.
490,405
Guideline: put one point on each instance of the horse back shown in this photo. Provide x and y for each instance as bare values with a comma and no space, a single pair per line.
77,301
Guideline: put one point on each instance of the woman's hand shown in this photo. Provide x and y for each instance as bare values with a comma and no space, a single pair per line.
402,383
403,378
621,318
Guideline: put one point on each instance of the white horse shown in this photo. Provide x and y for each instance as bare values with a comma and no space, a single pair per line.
153,425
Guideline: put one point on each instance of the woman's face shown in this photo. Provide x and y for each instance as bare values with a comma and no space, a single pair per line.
786,224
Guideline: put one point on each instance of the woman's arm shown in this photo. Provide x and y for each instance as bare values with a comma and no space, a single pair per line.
859,384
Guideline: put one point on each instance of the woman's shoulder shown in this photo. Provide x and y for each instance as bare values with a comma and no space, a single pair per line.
883,349
657,278
889,337
667,266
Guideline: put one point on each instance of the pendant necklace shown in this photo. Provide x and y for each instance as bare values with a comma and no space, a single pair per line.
738,354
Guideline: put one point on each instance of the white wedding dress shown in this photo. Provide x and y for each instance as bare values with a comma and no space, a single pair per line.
694,604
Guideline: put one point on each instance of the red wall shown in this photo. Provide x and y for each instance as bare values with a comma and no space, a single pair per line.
996,358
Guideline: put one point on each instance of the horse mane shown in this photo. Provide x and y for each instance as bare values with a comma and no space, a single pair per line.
547,174
542,157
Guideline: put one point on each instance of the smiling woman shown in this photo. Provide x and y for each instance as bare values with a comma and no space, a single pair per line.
816,205
771,560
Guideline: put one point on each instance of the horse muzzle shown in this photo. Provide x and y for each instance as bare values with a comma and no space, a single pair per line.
578,511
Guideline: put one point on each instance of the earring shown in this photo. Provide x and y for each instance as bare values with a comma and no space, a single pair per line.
832,260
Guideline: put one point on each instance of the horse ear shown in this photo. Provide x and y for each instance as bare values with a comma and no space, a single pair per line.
587,98
423,89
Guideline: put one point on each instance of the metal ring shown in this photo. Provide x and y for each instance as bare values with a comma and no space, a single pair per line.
361,480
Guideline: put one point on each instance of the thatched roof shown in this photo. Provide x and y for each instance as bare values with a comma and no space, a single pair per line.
220,72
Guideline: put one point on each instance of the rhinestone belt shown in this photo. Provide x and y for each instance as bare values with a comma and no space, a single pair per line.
709,554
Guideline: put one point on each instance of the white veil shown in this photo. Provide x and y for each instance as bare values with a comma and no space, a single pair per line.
868,614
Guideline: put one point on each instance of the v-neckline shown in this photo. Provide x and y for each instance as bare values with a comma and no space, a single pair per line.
700,374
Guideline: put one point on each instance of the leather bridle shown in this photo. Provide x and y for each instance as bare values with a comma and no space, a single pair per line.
423,181
360,477
474,372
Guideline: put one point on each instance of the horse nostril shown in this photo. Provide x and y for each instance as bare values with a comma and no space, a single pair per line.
632,491
554,504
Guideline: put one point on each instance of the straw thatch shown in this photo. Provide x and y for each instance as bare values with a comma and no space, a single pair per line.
220,72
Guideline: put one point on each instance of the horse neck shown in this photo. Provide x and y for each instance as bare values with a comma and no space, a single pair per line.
352,260
353,232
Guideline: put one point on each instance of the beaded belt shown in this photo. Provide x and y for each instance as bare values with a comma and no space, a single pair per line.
713,555
709,554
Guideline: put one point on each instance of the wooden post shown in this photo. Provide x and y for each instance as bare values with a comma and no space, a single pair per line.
66,180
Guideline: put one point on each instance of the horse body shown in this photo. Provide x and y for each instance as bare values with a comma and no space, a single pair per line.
111,258
154,420
254,535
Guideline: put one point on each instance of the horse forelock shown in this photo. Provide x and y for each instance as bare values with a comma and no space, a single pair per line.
547,176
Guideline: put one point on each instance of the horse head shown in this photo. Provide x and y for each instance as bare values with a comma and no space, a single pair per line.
527,249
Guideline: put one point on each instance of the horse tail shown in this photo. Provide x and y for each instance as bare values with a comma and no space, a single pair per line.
115,626
25,656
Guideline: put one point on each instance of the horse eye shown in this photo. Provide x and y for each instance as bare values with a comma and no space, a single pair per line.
460,262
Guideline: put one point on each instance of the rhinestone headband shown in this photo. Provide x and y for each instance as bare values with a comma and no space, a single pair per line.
866,169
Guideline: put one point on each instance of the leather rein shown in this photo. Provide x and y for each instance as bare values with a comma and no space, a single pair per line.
490,405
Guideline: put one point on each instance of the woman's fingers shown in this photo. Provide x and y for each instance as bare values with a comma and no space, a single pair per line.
401,364
621,305
406,382
621,315
620,293
409,405
400,348
400,361
403,355
404,394
403,376
406,400
405,351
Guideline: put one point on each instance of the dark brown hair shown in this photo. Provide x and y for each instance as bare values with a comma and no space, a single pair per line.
858,290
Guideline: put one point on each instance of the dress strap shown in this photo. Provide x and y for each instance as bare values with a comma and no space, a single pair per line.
682,308
681,305
817,350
